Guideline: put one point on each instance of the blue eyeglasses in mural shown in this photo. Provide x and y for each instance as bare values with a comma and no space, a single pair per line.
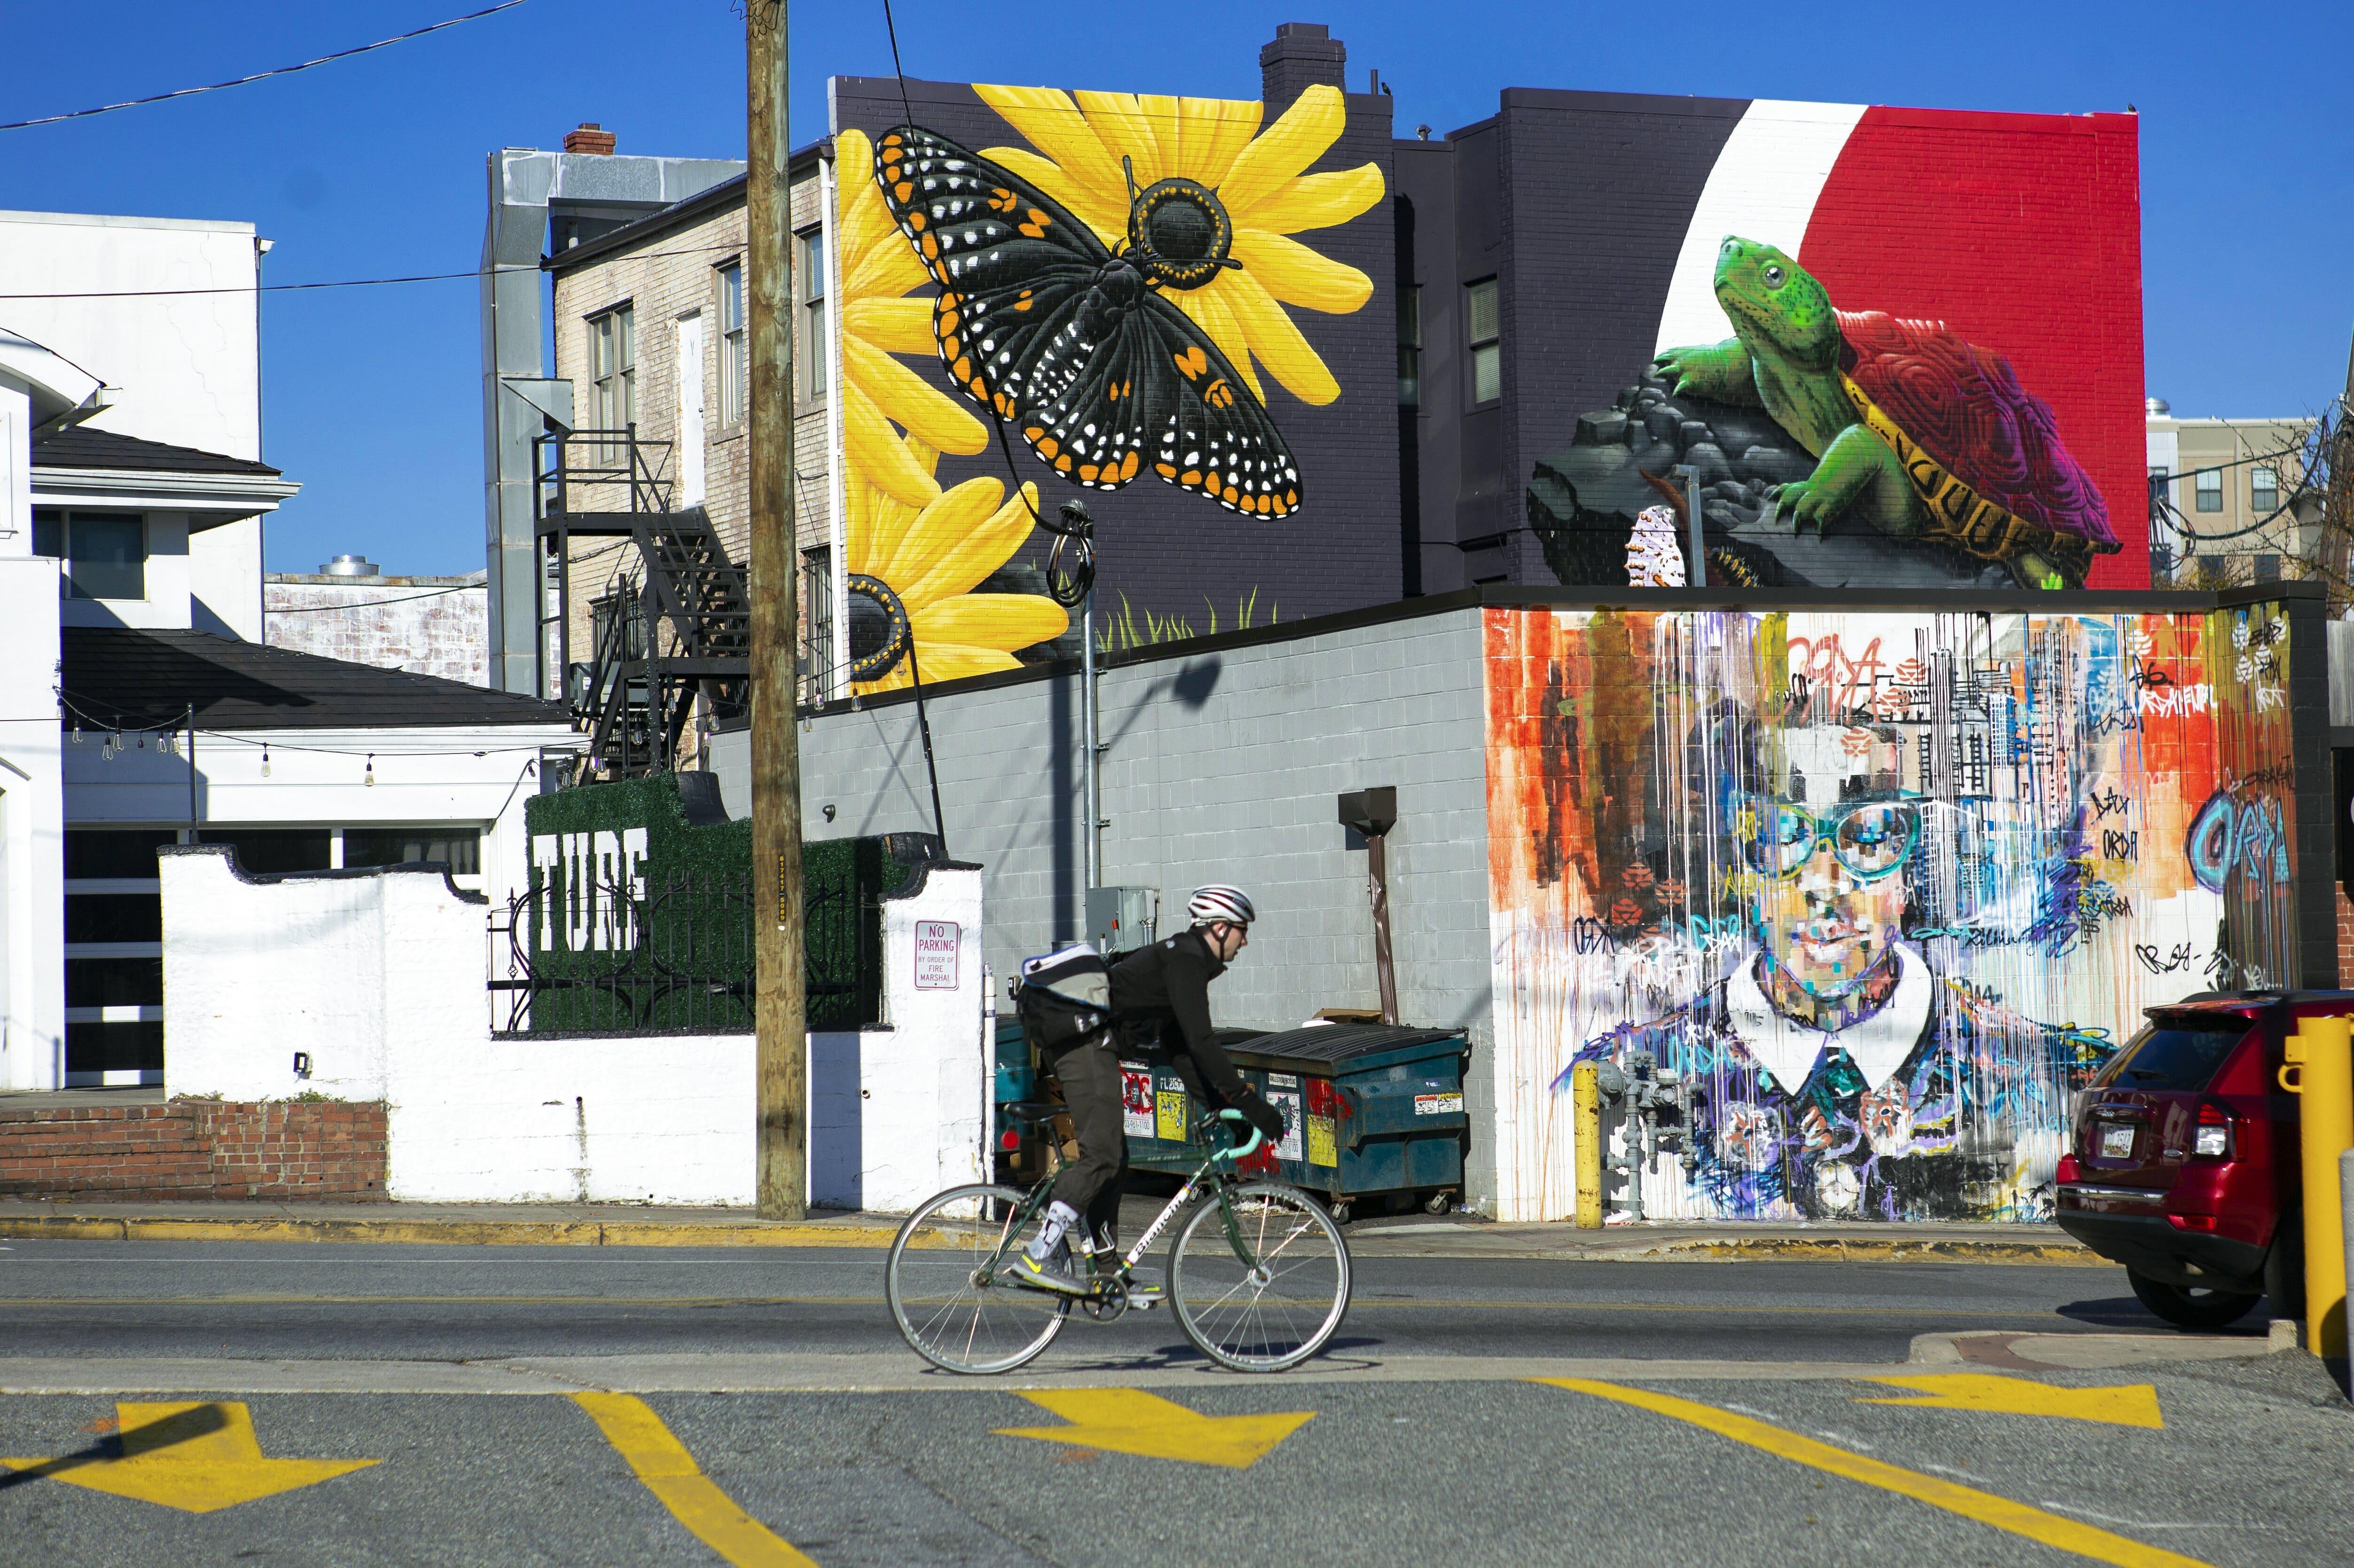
1871,838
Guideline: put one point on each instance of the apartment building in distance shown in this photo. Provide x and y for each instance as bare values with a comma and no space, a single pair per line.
2221,501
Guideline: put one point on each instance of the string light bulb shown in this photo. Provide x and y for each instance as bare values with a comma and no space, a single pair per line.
77,739
369,779
265,759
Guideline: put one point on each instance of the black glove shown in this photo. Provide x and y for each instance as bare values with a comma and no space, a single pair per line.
1262,1115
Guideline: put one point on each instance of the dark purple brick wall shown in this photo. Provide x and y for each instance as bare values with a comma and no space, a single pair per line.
1173,552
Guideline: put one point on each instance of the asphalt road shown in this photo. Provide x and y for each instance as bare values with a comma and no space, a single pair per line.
252,1300
2238,1463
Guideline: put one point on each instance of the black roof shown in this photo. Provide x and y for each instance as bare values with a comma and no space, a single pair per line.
139,678
79,446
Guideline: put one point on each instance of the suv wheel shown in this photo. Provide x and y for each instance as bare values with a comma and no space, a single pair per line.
2191,1306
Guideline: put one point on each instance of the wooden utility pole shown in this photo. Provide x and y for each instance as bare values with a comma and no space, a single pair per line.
780,1012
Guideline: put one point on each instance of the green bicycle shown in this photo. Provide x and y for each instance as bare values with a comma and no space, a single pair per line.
1258,1276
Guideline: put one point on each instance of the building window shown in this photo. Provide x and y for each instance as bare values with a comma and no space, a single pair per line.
2267,568
817,615
104,553
2210,490
613,369
1486,322
615,627
2263,490
1409,346
115,956
459,849
808,279
733,388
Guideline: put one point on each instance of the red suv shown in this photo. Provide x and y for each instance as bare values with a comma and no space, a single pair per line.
2183,1161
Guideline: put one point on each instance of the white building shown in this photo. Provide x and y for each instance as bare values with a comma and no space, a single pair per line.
132,501
349,610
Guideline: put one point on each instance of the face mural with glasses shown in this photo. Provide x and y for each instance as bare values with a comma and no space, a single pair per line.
1873,893
1830,906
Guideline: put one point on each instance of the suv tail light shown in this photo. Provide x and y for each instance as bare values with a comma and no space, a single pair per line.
2215,1136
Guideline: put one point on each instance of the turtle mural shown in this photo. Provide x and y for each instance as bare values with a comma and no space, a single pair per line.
1928,456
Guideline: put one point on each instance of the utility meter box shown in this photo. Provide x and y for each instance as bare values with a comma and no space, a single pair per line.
1122,919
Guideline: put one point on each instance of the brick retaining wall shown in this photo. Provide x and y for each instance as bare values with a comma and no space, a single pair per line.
196,1149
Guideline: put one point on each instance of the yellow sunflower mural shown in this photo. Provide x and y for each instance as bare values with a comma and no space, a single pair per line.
878,271
912,570
1259,180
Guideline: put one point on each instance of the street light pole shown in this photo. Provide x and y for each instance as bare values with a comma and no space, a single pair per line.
780,1012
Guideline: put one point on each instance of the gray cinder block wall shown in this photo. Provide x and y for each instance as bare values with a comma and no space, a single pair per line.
1223,760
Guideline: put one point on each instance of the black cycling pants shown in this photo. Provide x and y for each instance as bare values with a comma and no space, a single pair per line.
1089,1075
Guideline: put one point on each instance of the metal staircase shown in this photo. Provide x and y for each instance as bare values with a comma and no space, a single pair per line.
671,628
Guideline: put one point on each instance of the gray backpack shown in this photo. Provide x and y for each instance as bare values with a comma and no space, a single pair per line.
1065,997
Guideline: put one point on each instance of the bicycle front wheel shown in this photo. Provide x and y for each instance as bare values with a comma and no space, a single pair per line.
1268,1295
946,1288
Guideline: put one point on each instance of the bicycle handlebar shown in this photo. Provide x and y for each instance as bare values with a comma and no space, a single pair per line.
1241,1151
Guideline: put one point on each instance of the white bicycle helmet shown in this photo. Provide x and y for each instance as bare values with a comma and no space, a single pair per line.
1217,903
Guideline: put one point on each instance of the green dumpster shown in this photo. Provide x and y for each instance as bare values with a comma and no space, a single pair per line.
1370,1110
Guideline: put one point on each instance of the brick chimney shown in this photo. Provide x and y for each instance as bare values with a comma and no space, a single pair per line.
591,138
1303,54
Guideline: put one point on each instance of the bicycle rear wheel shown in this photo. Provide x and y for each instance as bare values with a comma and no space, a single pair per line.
1277,1307
945,1312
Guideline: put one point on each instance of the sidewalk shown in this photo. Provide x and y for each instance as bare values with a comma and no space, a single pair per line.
618,1225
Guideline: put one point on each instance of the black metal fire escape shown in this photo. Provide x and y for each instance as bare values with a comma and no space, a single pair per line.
674,623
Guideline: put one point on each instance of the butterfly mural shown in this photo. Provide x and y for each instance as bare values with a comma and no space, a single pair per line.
1075,345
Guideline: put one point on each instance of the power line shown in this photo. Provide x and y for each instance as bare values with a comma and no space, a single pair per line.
347,282
259,75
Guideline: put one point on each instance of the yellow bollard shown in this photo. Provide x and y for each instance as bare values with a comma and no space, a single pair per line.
2325,1131
1586,1099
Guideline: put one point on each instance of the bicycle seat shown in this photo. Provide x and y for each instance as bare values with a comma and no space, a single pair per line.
1032,1111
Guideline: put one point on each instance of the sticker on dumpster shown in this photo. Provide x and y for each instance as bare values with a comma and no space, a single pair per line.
1438,1104
1282,1081
1321,1148
1171,1118
1288,1147
1135,1100
936,955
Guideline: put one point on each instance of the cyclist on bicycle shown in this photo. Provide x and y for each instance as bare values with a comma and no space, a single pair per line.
1159,999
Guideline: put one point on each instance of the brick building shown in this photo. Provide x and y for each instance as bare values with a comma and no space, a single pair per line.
1489,409
427,626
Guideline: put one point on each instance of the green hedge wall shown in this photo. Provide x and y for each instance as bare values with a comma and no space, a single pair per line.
690,964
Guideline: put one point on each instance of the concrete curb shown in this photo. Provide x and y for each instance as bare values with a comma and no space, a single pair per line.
448,1232
1466,1242
1833,1249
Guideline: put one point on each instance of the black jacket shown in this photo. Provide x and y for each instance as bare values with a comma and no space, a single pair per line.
1160,998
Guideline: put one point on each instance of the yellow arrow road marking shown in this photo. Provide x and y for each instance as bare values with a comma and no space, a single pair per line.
2124,1405
1129,1421
196,1457
2019,1519
668,1471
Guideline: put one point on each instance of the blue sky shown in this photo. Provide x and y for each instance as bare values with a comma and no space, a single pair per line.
375,165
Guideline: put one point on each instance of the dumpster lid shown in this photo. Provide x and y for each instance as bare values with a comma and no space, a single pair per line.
1330,1044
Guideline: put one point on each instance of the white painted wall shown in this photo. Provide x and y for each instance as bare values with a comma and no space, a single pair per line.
187,365
378,976
899,1113
32,832
225,580
427,626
